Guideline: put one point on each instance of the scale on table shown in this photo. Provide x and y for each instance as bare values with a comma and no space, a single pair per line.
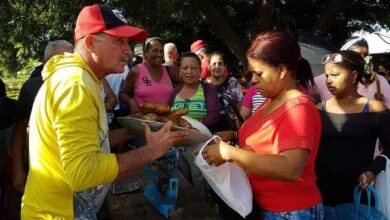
162,192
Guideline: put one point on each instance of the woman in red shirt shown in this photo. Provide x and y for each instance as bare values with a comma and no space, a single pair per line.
279,143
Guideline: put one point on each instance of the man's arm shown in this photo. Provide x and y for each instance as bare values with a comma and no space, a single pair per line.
119,137
83,163
157,143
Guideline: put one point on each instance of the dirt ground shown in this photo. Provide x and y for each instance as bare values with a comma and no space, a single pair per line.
133,205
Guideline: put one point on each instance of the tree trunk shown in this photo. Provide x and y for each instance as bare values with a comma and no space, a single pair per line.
218,24
329,15
264,15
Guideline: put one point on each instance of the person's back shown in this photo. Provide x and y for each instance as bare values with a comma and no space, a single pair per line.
8,107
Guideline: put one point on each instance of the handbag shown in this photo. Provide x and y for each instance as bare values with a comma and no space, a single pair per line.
355,210
382,185
228,181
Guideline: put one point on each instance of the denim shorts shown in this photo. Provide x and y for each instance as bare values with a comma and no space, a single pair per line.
314,213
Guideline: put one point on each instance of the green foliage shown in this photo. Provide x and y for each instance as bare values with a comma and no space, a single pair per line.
27,25
13,85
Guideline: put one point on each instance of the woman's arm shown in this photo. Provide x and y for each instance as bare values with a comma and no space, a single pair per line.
245,112
127,92
294,137
286,166
368,176
247,103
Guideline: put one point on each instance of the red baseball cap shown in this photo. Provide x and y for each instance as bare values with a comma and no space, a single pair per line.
197,45
100,18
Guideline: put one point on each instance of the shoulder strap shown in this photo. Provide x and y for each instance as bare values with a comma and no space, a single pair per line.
366,107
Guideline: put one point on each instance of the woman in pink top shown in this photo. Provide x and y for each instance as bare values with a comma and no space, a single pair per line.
148,81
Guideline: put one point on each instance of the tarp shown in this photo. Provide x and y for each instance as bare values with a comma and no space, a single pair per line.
377,42
313,48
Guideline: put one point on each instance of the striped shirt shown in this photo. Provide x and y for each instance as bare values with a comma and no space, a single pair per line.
253,99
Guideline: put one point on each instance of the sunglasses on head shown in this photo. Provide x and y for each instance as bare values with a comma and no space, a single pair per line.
333,58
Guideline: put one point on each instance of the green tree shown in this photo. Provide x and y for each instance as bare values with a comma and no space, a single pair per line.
228,25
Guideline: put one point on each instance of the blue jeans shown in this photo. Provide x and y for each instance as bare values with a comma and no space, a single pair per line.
314,213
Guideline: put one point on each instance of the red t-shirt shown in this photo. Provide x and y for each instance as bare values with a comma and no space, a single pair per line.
205,72
294,125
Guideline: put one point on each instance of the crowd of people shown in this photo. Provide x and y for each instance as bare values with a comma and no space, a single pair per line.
304,141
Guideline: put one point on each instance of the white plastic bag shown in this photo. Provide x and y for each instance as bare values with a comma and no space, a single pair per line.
382,185
229,182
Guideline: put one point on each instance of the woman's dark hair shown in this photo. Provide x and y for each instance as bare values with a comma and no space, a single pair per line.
384,62
359,43
353,61
2,89
275,48
190,55
149,41
220,54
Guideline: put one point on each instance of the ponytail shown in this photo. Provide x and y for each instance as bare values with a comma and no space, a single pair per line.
304,74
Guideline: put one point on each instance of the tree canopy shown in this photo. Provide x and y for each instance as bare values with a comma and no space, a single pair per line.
227,25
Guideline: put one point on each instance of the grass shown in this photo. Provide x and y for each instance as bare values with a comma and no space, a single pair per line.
13,85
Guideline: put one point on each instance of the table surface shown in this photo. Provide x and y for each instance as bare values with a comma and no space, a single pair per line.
133,205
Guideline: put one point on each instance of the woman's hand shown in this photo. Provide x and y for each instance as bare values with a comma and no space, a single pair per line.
228,135
217,153
366,178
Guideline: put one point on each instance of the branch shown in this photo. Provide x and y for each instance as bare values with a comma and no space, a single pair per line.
264,18
329,16
218,24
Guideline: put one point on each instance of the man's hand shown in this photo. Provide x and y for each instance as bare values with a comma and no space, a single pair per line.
159,142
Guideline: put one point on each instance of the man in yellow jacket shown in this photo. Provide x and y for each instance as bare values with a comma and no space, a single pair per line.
69,138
